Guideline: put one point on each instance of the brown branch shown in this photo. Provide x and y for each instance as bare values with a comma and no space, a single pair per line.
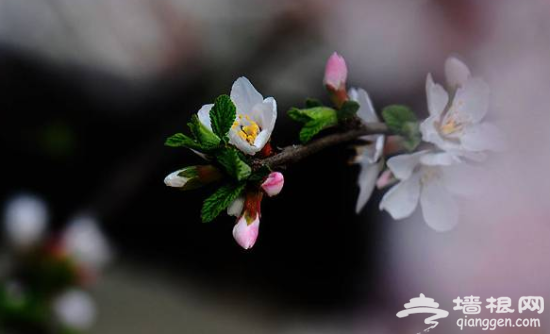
294,153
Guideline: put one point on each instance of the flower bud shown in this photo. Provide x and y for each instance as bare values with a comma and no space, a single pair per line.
193,177
246,234
385,179
336,74
273,184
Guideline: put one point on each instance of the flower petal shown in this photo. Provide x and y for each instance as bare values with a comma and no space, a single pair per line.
438,159
246,234
204,115
439,208
471,101
437,97
402,166
245,96
481,137
401,200
236,208
366,111
367,181
456,72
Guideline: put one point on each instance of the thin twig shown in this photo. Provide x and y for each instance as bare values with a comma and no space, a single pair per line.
294,153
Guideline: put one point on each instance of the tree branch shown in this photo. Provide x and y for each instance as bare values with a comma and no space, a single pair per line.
295,153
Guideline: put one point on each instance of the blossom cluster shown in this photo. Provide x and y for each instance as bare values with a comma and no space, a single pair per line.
420,159
46,286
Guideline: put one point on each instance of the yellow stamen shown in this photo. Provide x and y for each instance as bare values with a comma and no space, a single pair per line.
247,132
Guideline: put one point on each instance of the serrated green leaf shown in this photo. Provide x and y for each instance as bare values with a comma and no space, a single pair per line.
348,110
220,200
297,115
181,140
312,103
234,163
222,116
396,116
206,138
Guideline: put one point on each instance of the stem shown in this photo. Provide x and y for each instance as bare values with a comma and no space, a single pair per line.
295,153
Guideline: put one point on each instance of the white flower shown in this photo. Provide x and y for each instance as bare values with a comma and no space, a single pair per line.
75,309
456,122
25,220
85,242
431,179
369,157
255,120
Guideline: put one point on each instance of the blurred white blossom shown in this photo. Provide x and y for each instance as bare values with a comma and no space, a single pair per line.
456,123
369,155
75,309
424,179
85,242
25,220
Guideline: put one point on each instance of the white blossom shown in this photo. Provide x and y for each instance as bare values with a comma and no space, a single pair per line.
255,119
432,179
85,242
456,122
369,155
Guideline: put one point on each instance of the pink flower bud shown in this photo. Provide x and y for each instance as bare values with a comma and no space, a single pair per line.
246,234
273,184
385,179
336,73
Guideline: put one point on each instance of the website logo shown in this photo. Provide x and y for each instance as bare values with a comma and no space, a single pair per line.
424,305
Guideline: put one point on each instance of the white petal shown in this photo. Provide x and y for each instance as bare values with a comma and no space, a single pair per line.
456,72
242,144
174,180
401,200
245,96
462,179
481,137
366,111
402,166
437,97
439,208
236,208
367,182
438,159
204,115
265,114
471,101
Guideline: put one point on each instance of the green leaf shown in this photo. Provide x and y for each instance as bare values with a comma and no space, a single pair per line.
222,116
206,138
220,200
412,135
320,118
297,115
348,110
181,140
234,163
396,116
312,103
402,121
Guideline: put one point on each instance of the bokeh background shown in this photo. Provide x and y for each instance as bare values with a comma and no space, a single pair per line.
89,90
